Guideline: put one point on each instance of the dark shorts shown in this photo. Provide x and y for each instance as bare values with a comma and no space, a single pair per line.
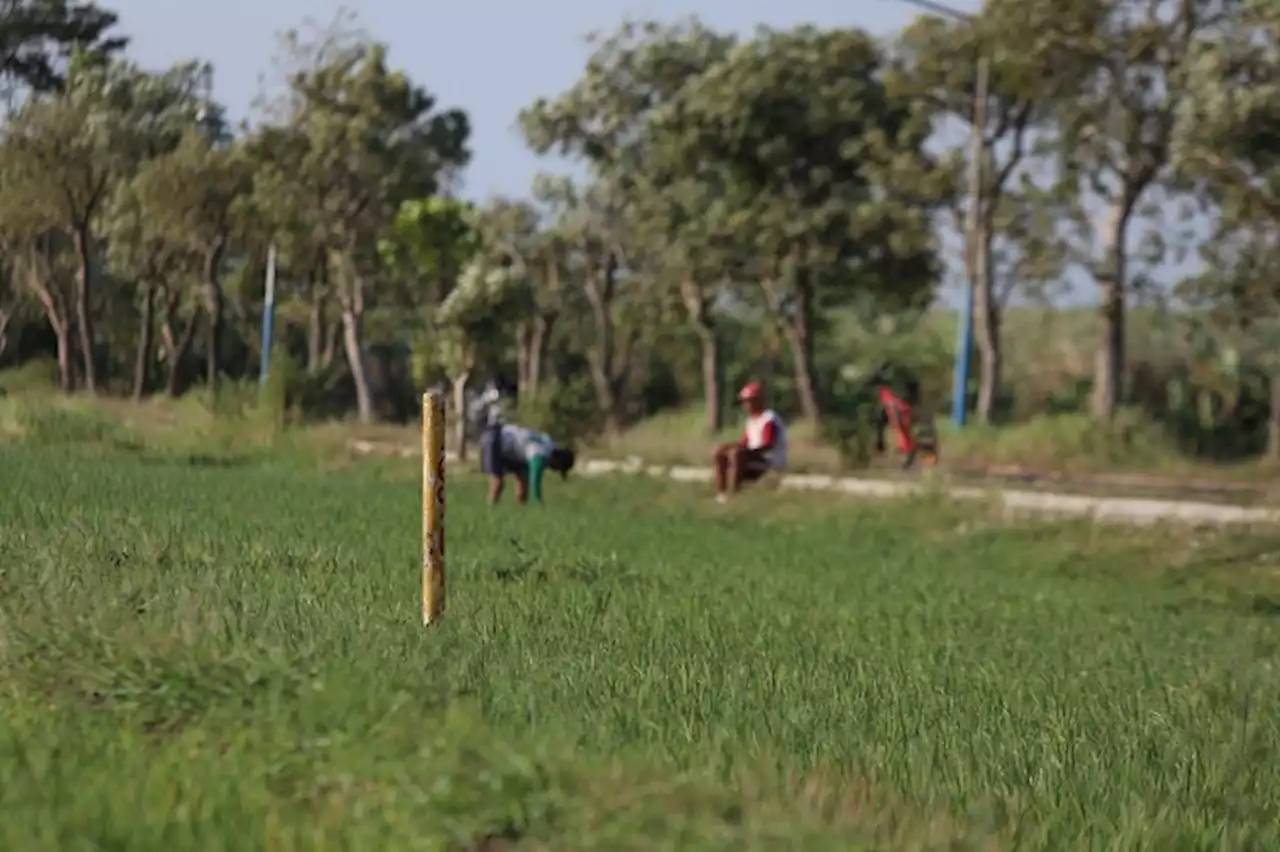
491,461
754,465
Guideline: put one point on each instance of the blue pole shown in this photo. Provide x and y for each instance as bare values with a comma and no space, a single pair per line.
975,255
268,316
964,348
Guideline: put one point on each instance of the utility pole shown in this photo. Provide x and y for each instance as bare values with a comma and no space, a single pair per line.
975,251
268,316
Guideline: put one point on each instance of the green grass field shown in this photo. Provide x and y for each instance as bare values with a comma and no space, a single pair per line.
198,655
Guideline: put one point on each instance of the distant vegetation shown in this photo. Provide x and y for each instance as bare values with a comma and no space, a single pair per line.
752,207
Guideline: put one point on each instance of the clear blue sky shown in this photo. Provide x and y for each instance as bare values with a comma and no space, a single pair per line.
491,57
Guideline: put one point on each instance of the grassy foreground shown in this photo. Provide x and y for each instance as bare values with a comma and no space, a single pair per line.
209,656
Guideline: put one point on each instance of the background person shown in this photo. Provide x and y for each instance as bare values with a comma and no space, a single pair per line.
762,448
524,453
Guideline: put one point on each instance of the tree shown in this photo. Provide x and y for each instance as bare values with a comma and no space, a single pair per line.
11,303
287,207
65,153
166,108
60,162
824,173
590,223
1127,62
1224,137
685,236
1224,146
604,119
290,211
430,243
194,194
39,268
364,140
471,323
515,234
137,249
938,61
37,38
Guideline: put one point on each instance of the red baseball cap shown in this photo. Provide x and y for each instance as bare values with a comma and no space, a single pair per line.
751,390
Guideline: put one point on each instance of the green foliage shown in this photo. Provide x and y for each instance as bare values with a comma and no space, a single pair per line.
743,205
36,35
292,396
34,376
43,424
431,241
875,348
565,410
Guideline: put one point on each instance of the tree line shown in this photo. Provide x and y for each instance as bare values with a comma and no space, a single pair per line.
741,204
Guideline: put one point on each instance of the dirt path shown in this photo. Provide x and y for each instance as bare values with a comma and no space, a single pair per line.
1104,509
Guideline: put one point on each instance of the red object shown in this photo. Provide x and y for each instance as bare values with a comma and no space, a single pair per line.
751,390
899,414
768,434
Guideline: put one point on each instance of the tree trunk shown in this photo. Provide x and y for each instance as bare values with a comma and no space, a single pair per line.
84,306
146,339
605,398
217,314
986,314
531,345
698,307
176,347
320,329
524,343
6,317
600,357
1273,420
332,335
711,377
460,414
990,363
538,351
317,328
1108,373
59,320
66,369
799,333
353,345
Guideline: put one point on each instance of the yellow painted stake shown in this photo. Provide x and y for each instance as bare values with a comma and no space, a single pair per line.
432,507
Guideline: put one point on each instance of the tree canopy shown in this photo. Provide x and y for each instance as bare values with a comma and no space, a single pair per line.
740,204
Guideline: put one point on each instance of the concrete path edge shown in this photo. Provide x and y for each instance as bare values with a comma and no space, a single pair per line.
1122,510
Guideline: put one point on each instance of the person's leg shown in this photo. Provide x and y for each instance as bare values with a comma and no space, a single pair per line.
737,464
752,466
491,462
522,486
720,467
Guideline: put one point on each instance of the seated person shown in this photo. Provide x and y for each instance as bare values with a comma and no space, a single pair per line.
763,446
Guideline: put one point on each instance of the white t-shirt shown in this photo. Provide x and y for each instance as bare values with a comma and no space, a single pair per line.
757,432
521,444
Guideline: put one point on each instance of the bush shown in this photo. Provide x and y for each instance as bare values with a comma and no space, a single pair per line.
56,425
1066,440
35,375
566,411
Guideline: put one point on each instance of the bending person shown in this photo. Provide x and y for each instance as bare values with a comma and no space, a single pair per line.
525,454
762,448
